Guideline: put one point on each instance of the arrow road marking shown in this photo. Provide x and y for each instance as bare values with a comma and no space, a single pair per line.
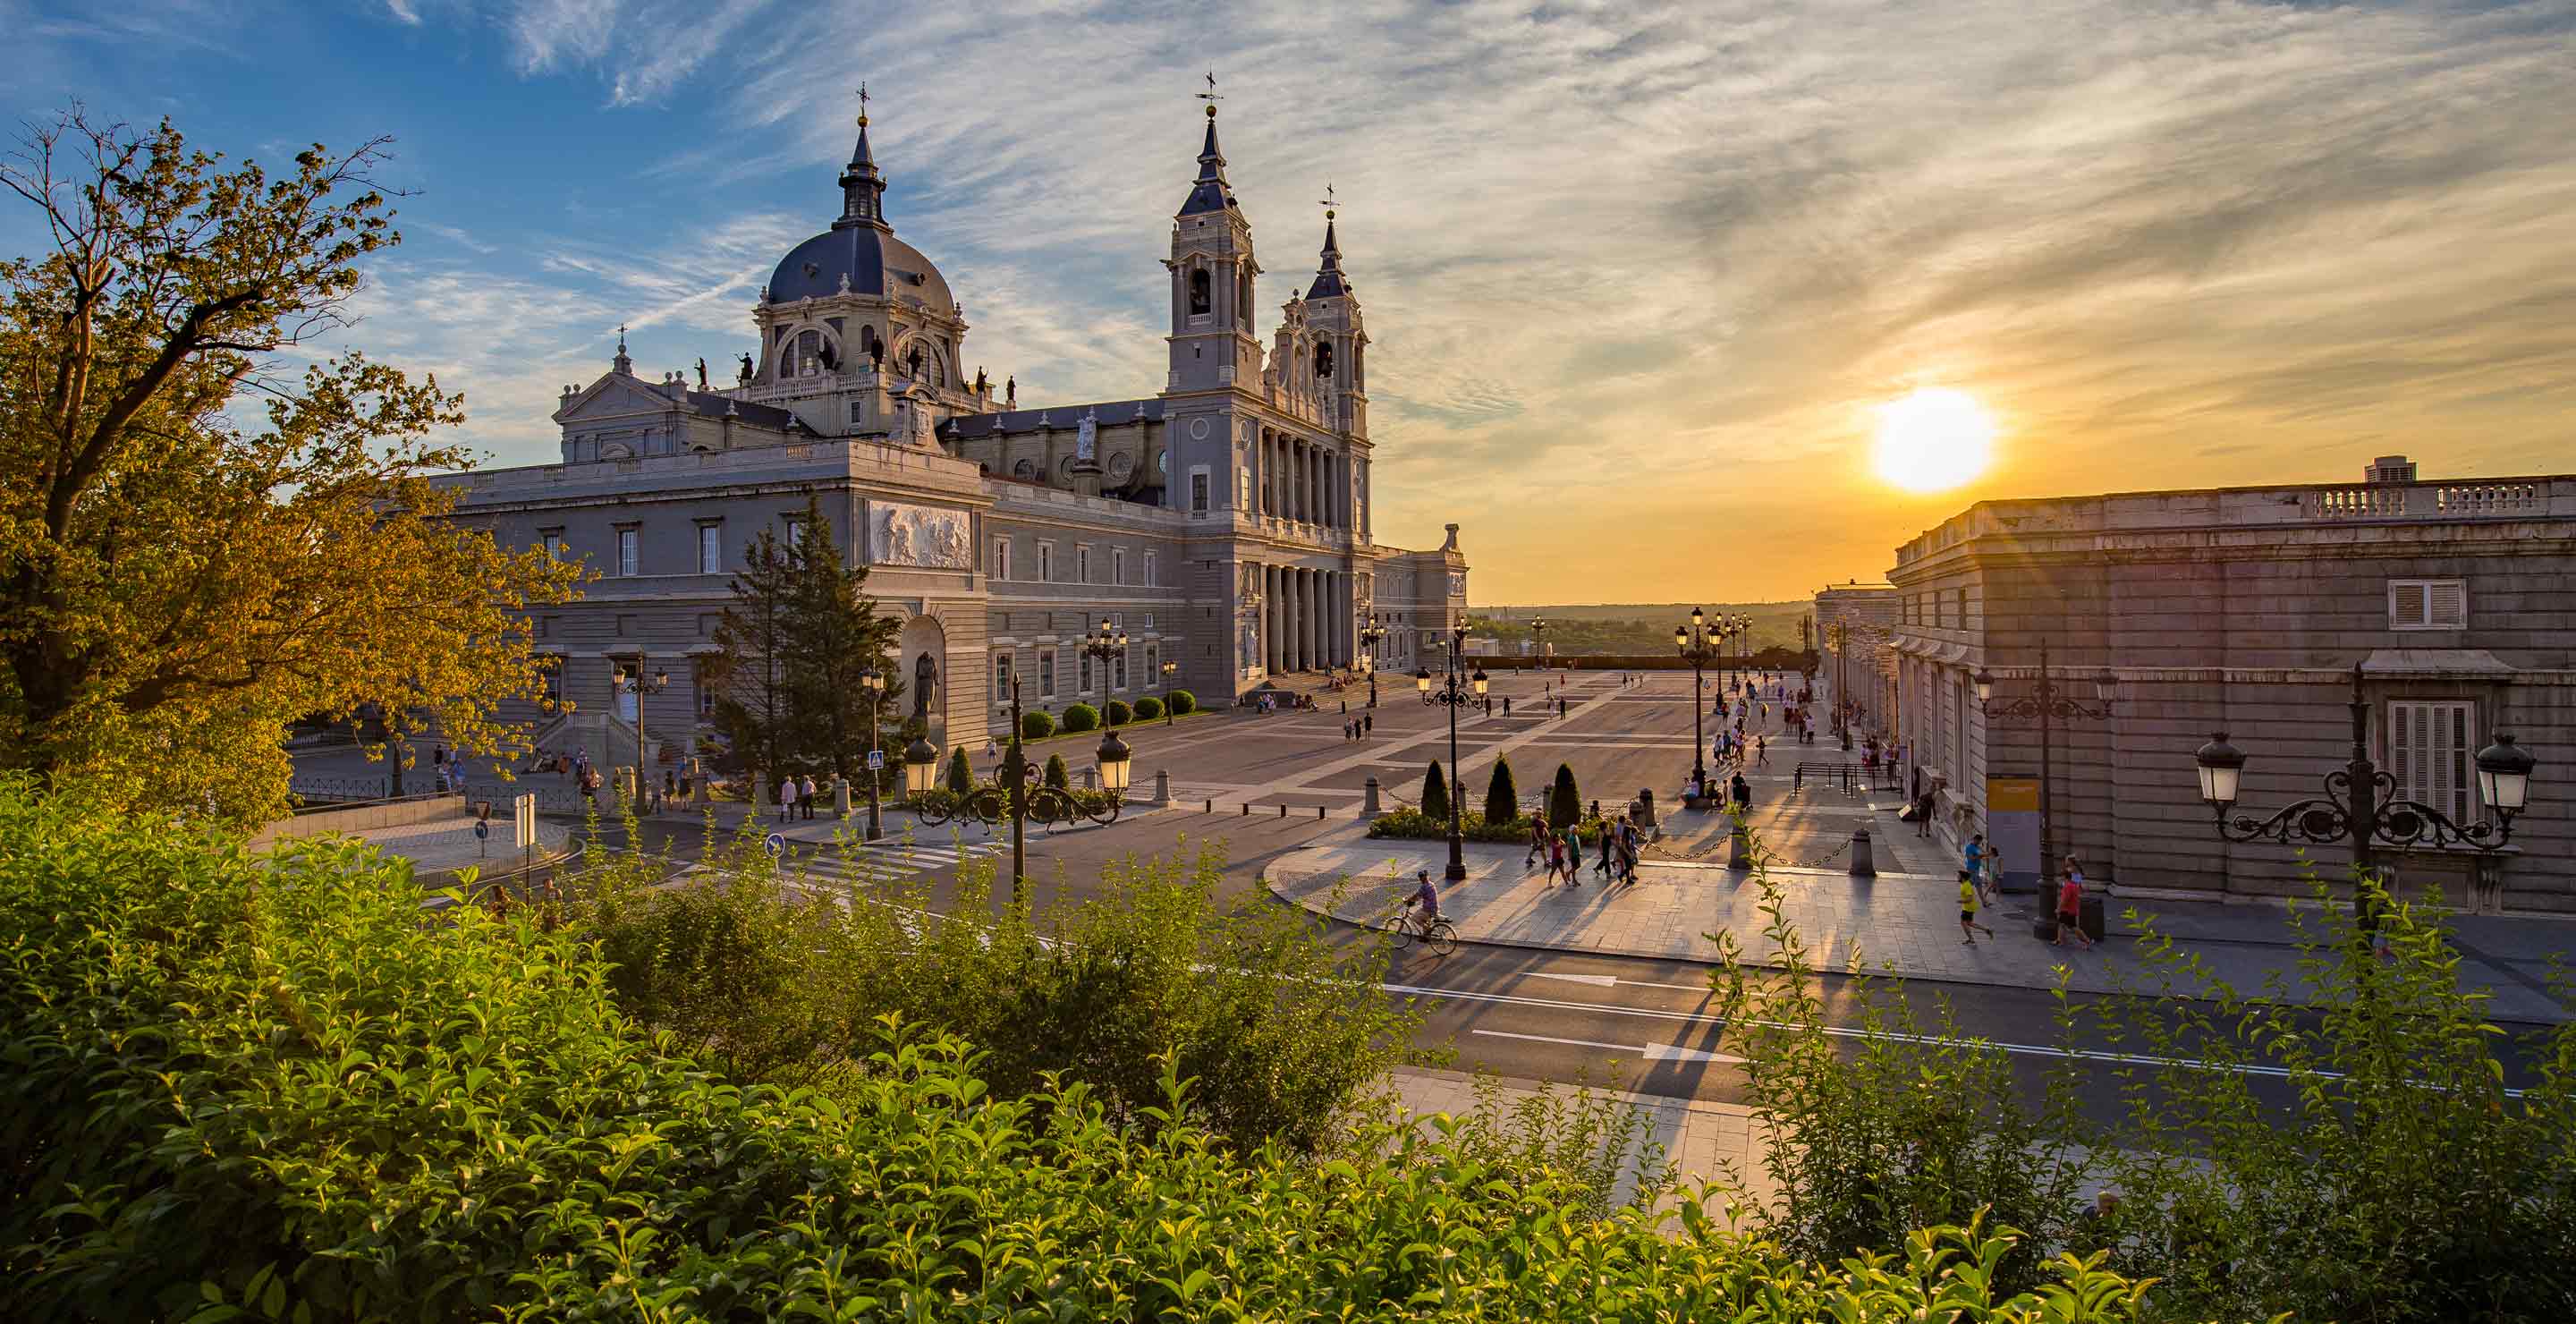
1650,1052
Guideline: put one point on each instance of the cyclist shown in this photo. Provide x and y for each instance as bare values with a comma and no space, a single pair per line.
1426,896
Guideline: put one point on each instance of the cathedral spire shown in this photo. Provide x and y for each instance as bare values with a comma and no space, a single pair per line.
622,363
1328,277
862,187
1210,191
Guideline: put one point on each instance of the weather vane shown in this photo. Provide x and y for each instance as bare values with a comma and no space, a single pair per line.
863,102
1326,202
1210,96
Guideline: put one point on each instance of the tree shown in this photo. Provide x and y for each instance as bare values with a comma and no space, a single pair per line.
1435,794
1564,803
1056,774
1502,799
1182,703
202,542
754,708
961,778
829,636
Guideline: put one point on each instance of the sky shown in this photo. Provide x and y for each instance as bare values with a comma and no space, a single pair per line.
1639,278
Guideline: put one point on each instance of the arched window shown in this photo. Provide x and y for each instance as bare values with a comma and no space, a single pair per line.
806,357
1323,360
1200,300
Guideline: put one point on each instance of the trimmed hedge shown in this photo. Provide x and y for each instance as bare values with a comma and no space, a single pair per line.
1079,718
237,1089
961,777
1056,774
1183,703
1564,803
1148,708
1502,799
1435,794
1036,725
1414,825
1118,713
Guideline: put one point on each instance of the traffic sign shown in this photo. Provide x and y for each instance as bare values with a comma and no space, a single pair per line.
775,842
876,760
482,829
523,819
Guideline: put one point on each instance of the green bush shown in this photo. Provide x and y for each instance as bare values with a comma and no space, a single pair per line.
1148,708
1435,793
1119,714
1081,717
1036,726
1056,775
238,1090
1502,799
1564,805
1414,825
961,776
1182,703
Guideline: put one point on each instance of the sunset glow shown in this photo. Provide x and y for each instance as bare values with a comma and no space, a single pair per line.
1934,440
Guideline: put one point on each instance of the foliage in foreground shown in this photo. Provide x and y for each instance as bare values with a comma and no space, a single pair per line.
2342,1145
280,1093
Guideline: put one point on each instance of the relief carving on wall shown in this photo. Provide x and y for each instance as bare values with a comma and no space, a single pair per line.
923,536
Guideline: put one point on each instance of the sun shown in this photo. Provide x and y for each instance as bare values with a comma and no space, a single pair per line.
1934,439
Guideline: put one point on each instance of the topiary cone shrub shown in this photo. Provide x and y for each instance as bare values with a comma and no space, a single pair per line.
1056,776
1564,803
1435,794
1502,799
961,778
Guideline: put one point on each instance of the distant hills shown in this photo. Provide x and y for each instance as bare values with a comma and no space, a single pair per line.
1634,628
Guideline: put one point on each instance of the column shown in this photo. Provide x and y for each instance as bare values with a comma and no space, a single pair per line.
1287,619
1315,618
1297,502
1270,618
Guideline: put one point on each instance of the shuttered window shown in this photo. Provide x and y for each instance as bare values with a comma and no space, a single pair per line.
2428,754
2428,604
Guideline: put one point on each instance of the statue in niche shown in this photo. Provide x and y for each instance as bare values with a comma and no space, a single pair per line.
925,678
912,363
1086,437
831,357
745,378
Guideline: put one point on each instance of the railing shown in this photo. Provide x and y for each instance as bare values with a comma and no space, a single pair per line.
343,790
2357,503
2469,500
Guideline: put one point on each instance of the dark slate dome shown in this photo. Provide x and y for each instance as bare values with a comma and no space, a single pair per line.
875,262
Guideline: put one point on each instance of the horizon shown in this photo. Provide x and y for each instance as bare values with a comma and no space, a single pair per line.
1723,301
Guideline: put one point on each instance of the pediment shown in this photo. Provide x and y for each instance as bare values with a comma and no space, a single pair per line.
614,395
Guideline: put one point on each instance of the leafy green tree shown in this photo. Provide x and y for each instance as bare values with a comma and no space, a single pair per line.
1182,703
207,530
1056,774
829,635
1081,717
748,674
1435,793
1564,802
1502,799
961,776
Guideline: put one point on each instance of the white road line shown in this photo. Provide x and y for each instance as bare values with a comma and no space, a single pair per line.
1613,981
1651,1052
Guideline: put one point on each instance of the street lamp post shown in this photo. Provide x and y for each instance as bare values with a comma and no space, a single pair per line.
2049,705
1170,669
874,682
2361,807
1105,645
1371,635
1701,642
1456,691
1010,795
640,686
1538,640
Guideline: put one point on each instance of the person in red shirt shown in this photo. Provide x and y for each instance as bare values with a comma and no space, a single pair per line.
2070,906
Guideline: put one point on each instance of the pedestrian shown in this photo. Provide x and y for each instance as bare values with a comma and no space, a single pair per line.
1923,809
1969,928
1538,840
1609,844
1560,707
1346,705
2070,907
1368,723
1762,751
805,797
1507,705
786,797
1557,862
1742,791
1972,857
1629,839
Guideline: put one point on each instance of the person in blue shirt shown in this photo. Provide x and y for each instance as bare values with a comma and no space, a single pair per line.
1427,897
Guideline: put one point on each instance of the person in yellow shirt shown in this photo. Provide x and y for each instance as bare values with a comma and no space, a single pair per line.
1968,925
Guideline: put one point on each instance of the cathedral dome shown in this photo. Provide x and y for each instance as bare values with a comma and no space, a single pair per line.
870,259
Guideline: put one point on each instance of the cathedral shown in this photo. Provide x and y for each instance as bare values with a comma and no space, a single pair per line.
1221,524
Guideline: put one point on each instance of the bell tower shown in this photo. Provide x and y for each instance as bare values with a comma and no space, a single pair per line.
1341,341
1212,270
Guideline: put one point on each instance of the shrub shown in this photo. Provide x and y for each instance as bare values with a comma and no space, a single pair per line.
1183,703
236,1089
961,776
1564,805
1502,799
1036,726
1081,717
1118,713
1435,794
1148,708
1414,825
1056,774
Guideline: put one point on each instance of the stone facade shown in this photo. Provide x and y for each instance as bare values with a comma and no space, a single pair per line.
1865,663
2246,609
1223,524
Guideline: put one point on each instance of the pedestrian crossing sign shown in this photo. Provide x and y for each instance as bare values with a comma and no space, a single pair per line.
876,760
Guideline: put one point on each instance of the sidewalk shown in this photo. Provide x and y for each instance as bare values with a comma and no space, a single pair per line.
448,844
1905,924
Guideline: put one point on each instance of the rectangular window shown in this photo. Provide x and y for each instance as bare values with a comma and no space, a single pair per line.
1959,606
1149,570
550,667
553,541
2428,604
706,693
1198,491
2428,754
1001,678
793,537
1046,563
1153,664
1001,566
1082,564
1082,683
1243,495
1046,671
1118,671
711,549
630,547
1118,565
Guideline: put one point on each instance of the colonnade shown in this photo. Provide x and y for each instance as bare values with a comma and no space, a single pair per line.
1302,481
1306,618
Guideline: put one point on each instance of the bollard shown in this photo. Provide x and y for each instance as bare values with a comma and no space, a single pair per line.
1319,813
1162,788
1739,848
1210,809
1862,866
1090,779
1368,807
840,797
1247,809
1283,811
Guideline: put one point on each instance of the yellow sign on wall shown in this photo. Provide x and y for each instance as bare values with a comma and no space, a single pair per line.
2006,795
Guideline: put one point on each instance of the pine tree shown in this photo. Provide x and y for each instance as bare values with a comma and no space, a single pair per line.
1502,799
830,635
1564,803
1056,774
753,709
1435,794
961,778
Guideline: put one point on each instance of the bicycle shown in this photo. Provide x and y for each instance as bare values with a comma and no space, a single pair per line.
1438,937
